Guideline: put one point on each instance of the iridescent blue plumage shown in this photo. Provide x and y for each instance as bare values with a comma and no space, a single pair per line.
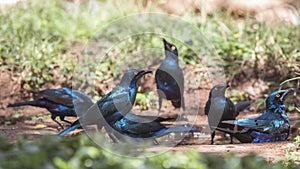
67,97
120,99
59,102
136,126
169,78
273,125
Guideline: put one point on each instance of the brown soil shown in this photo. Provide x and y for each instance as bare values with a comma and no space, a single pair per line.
11,127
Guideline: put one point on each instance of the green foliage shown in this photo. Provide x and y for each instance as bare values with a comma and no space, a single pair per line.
248,45
81,152
236,96
35,37
40,41
39,117
293,151
288,83
26,43
145,100
17,115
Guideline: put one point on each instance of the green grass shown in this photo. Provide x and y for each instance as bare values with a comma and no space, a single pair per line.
36,37
249,44
37,41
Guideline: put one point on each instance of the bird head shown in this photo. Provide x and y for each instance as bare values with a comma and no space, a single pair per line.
132,76
276,98
218,90
170,48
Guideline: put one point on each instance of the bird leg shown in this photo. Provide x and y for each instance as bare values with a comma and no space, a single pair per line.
111,135
212,138
63,119
231,139
53,117
155,142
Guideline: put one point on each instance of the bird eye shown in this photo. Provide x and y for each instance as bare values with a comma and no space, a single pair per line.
135,72
173,47
277,95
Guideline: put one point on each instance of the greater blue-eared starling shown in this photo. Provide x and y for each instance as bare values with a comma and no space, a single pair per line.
219,108
119,100
59,102
273,125
169,78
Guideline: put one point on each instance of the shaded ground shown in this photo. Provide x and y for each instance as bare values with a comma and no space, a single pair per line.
34,122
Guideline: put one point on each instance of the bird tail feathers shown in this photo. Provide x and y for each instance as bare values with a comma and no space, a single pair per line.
175,130
247,122
228,131
72,128
27,103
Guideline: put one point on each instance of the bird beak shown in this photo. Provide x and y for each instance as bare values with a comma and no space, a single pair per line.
286,92
165,41
167,45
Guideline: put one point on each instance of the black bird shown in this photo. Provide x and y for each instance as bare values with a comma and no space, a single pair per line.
120,99
271,126
67,97
59,102
136,126
219,108
169,78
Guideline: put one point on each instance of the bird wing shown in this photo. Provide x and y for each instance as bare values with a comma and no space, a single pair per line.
229,112
117,101
144,119
207,106
132,127
253,123
114,101
80,97
82,102
61,96
169,83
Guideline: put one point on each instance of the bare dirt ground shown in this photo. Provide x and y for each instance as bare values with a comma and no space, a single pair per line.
13,126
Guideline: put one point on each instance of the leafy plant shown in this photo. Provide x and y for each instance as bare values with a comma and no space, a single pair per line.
13,118
81,152
145,100
40,117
